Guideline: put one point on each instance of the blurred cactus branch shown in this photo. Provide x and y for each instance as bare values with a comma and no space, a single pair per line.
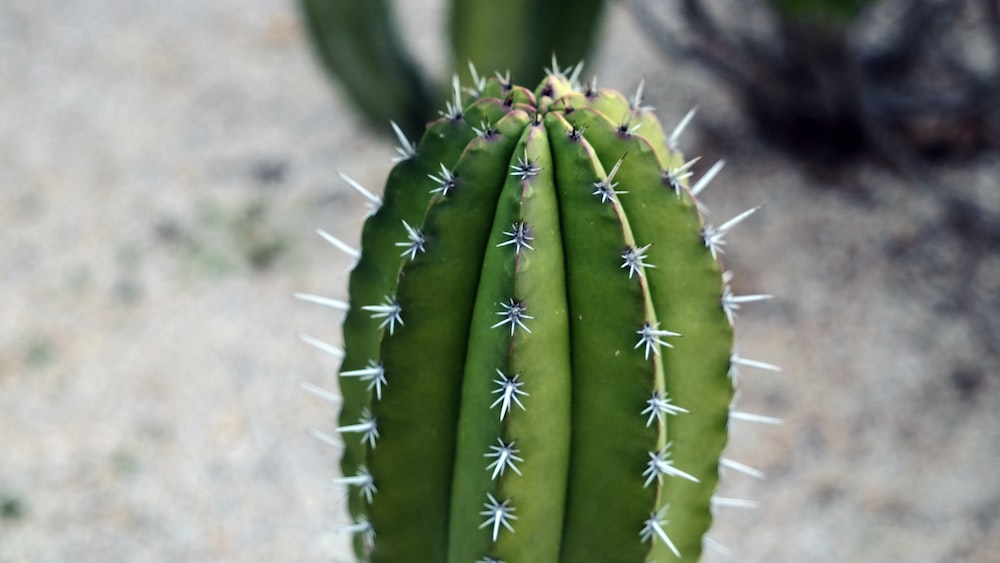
904,88
359,45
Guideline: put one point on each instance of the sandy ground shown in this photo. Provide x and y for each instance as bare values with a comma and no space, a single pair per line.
162,167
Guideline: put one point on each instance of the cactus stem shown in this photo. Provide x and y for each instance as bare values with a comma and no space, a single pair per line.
659,406
406,148
633,259
726,502
675,177
498,514
414,244
376,201
675,135
366,427
505,455
325,301
649,336
390,311
524,168
343,246
363,479
446,181
509,389
321,393
513,313
660,464
715,237
751,417
374,375
520,236
326,438
654,526
742,468
322,346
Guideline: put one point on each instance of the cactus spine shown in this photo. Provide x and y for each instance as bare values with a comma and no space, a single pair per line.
538,345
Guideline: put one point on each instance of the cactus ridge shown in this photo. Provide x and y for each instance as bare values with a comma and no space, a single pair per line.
538,361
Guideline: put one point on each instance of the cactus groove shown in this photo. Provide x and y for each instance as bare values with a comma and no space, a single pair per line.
538,342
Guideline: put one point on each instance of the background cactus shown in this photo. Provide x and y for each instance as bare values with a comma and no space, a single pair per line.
359,44
538,352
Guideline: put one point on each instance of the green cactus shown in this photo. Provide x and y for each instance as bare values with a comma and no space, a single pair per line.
360,46
538,349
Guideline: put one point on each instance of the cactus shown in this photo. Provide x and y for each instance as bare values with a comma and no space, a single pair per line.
538,348
360,46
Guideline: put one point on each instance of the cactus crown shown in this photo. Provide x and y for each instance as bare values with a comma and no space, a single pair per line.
538,345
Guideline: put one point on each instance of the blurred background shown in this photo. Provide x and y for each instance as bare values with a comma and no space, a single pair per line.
163,166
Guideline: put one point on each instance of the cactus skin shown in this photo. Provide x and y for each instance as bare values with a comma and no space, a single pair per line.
538,343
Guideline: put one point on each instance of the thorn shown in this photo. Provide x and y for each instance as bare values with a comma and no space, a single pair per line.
322,346
343,246
321,393
658,407
406,148
513,312
520,236
735,362
524,168
485,130
498,514
715,546
715,237
649,336
374,200
453,109
675,177
363,479
325,301
509,389
446,181
574,76
654,525
707,177
606,188
725,502
505,455
742,468
326,438
362,526
731,303
414,244
660,464
478,83
751,417
554,70
374,375
591,89
636,105
366,426
633,260
390,311
676,133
